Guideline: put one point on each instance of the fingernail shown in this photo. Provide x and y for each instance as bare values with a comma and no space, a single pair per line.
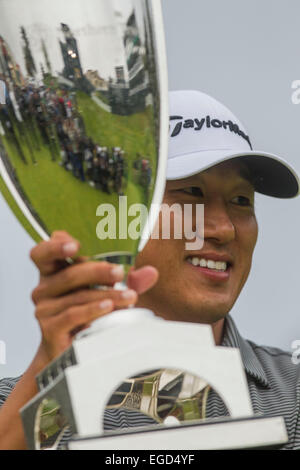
106,304
117,273
70,248
128,295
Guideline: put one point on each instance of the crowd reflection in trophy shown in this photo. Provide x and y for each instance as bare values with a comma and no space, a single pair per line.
53,117
43,113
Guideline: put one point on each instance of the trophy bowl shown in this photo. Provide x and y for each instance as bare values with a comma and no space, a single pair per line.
83,120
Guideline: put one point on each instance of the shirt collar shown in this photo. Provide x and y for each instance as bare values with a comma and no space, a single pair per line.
253,367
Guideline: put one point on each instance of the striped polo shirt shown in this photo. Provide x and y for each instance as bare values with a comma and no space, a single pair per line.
273,382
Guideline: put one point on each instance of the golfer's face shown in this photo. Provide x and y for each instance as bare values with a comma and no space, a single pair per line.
202,285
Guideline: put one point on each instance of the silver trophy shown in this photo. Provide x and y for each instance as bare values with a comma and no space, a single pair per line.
83,146
84,118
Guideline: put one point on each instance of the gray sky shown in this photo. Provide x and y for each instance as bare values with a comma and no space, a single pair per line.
246,54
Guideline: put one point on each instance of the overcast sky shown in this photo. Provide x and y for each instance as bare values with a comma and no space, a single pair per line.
246,54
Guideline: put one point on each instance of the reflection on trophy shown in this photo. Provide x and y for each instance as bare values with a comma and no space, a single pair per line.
81,117
83,146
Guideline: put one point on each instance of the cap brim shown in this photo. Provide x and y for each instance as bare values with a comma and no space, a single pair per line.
273,175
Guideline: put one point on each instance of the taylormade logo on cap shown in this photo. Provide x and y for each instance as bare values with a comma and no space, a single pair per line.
200,124
204,133
209,122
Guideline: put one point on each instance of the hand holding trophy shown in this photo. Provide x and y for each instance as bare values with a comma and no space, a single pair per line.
82,121
83,146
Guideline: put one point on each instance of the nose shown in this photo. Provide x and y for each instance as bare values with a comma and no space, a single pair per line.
218,226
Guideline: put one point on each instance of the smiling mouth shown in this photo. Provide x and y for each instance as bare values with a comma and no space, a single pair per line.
216,266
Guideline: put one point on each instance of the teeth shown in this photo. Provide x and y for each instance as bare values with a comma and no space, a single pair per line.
210,264
221,265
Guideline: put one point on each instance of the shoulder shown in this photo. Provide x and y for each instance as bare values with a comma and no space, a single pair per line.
267,364
7,384
282,369
279,365
273,354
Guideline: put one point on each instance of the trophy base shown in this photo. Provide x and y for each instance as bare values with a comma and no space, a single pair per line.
255,432
123,258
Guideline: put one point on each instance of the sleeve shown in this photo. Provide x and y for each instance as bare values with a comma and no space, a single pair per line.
6,387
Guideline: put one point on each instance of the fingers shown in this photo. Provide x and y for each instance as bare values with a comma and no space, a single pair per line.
78,276
74,318
121,299
142,279
49,256
65,303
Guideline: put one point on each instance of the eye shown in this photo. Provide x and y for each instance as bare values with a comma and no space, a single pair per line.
242,201
193,191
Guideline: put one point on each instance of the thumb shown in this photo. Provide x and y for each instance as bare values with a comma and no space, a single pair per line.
142,279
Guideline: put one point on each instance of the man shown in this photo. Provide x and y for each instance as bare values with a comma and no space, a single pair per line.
210,162
2,92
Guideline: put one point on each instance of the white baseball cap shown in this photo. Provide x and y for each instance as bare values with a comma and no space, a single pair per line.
203,133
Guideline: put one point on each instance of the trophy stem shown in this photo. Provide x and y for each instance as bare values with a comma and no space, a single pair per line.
124,258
